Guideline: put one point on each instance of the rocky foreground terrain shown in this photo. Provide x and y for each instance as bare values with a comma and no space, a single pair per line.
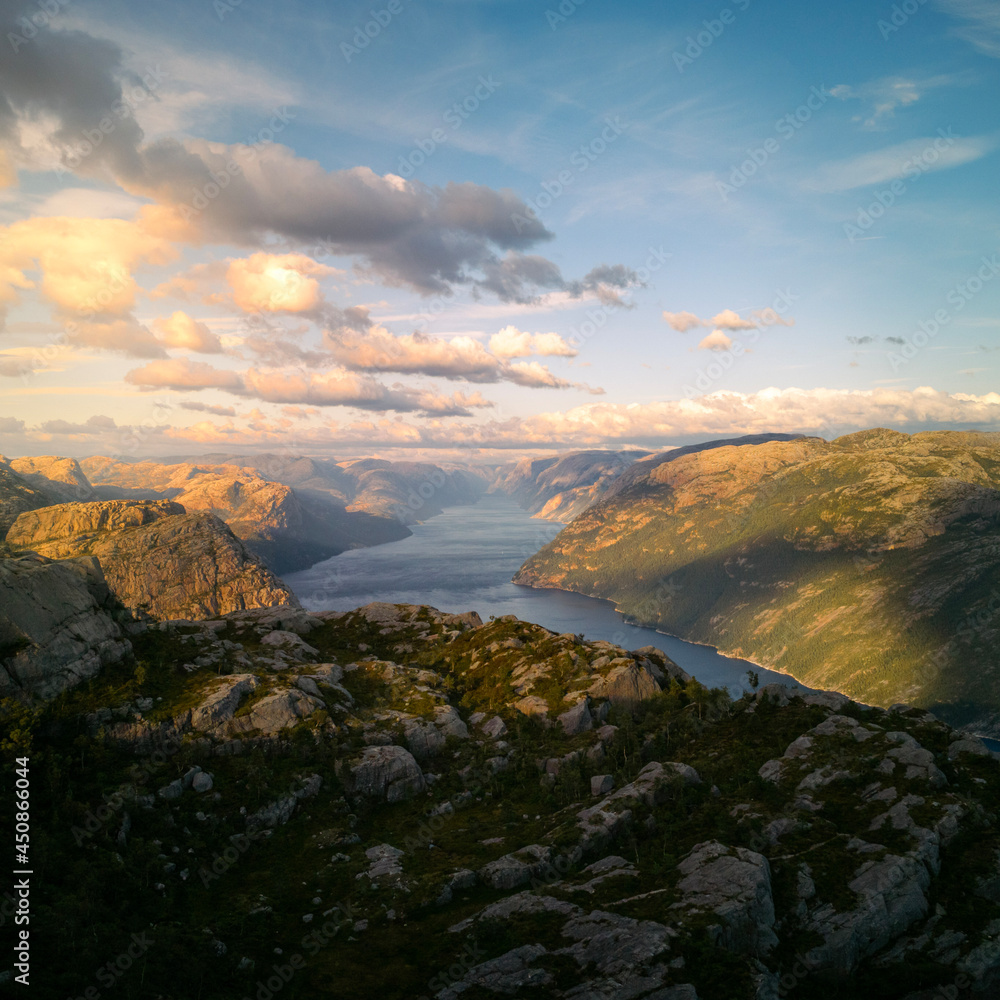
869,564
401,803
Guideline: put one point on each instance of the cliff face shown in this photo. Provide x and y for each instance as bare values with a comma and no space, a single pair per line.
56,625
156,557
867,564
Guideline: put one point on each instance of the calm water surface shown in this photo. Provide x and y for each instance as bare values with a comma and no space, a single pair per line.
463,560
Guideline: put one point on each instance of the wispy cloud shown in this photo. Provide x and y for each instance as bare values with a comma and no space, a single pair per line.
912,158
981,23
883,96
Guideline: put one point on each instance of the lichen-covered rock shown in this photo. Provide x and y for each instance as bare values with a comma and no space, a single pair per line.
215,712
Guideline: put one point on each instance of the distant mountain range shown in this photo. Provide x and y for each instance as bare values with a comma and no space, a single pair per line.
869,564
292,512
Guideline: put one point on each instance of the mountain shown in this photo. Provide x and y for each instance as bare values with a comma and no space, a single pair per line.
60,478
868,564
294,512
16,496
560,487
157,559
401,803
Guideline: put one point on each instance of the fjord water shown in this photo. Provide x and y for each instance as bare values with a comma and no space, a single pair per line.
463,560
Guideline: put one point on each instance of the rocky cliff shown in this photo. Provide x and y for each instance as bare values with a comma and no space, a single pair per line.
157,558
58,624
495,810
868,564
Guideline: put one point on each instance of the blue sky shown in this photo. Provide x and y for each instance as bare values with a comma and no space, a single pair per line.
729,218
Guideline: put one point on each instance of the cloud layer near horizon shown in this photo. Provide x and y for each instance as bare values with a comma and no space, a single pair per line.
821,412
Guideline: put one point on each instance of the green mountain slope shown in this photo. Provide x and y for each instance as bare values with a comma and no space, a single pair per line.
870,564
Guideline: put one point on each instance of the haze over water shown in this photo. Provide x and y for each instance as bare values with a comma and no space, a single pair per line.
463,560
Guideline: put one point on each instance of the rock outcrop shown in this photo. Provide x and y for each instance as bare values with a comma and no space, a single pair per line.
56,624
157,559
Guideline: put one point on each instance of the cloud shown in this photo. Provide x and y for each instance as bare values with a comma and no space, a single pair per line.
13,367
337,388
716,341
97,424
185,333
510,342
729,320
219,411
885,95
905,160
533,375
182,373
86,265
434,239
359,344
683,321
266,282
981,27
126,336
858,341
11,425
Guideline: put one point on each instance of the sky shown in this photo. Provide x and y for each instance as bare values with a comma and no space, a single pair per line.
475,229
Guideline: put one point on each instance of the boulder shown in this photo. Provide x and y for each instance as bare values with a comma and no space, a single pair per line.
577,720
389,773
735,885
277,711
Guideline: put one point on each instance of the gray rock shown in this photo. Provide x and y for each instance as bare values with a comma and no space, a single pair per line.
494,728
202,782
389,773
577,719
601,784
216,709
55,630
734,884
277,711
517,869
